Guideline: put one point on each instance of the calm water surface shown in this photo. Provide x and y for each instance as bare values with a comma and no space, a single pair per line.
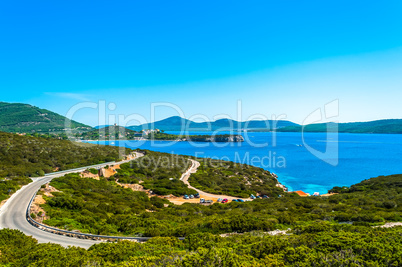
353,157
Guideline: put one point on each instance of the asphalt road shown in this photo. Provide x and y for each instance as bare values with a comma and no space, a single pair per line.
12,214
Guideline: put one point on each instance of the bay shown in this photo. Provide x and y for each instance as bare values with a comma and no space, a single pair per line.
312,162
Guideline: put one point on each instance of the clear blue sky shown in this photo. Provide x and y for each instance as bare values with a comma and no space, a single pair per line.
277,57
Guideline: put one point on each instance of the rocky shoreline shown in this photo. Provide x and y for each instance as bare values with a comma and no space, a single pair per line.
218,139
231,138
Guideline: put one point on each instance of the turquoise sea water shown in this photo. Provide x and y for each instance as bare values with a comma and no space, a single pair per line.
353,157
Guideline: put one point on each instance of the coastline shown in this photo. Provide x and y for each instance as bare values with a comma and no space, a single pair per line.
143,139
112,140
279,184
303,171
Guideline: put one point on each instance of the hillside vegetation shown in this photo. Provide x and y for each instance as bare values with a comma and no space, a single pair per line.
322,245
376,204
317,238
380,127
159,172
234,179
23,156
24,118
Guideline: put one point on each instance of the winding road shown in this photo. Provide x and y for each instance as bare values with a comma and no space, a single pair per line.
13,212
193,169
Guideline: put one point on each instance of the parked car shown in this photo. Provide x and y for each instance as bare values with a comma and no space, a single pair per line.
252,196
186,197
240,200
219,200
209,201
234,200
191,196
225,200
202,200
258,197
265,196
197,195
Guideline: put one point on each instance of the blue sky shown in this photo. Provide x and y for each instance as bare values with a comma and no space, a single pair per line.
276,57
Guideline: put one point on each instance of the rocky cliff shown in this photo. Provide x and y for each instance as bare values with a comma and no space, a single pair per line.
217,138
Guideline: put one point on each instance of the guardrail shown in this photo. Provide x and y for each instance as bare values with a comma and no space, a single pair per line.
86,167
58,231
91,166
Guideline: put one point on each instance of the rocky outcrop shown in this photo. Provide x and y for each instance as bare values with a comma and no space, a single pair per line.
217,138
232,138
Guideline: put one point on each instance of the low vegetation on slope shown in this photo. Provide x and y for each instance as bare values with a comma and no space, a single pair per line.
320,245
110,211
159,172
94,206
22,157
233,179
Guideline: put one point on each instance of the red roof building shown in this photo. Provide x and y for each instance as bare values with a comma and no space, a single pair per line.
300,193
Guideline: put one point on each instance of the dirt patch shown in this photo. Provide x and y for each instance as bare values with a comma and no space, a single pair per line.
48,190
109,171
101,172
3,202
390,224
134,187
39,200
275,232
37,210
88,174
181,200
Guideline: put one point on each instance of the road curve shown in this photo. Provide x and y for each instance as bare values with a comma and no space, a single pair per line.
13,212
193,169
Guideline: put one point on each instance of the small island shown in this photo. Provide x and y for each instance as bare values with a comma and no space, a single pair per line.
215,138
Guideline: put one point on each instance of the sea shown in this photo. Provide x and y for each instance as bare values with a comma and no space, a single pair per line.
311,162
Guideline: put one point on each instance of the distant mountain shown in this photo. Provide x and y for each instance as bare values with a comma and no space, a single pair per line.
393,126
24,118
176,123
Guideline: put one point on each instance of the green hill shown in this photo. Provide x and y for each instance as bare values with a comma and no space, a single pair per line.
177,123
24,156
393,126
24,118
